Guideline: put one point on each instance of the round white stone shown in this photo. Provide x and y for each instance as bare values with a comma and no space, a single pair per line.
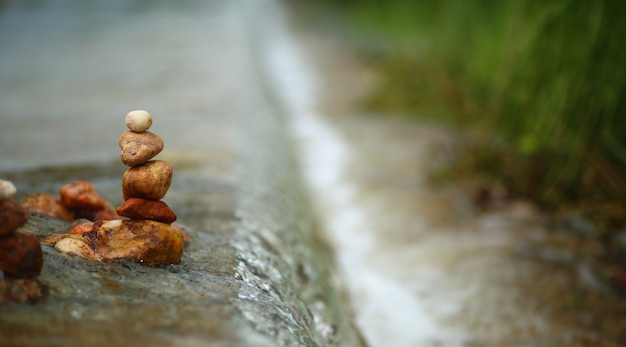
138,120
7,189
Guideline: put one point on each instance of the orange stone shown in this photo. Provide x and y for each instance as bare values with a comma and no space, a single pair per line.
82,199
81,227
20,256
81,196
138,208
12,216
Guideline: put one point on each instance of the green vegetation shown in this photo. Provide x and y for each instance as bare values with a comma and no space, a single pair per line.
539,85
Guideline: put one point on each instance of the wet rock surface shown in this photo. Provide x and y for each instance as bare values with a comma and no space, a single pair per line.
255,272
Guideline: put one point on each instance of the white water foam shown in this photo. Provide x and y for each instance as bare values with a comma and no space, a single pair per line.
387,312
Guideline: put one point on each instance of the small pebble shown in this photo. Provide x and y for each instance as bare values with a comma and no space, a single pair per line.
148,181
82,199
12,216
22,290
7,189
81,227
138,120
20,256
74,244
138,148
47,205
81,195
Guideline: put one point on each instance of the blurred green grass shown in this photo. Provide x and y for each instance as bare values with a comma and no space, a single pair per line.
539,86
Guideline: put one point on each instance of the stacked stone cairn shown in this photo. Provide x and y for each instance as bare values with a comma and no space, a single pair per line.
146,181
21,258
148,236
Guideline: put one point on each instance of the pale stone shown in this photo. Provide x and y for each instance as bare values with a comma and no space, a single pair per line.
7,189
138,120
143,241
76,245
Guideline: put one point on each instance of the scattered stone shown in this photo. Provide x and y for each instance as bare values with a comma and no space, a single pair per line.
138,208
147,181
78,199
12,216
47,205
74,244
20,256
81,227
137,148
138,120
21,290
81,196
7,189
143,241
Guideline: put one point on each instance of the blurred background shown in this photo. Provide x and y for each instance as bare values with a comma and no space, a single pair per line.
538,88
534,93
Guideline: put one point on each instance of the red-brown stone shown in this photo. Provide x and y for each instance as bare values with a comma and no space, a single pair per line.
12,216
48,205
22,290
142,209
20,256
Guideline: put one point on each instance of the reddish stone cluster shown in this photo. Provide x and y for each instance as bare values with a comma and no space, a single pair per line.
21,258
78,199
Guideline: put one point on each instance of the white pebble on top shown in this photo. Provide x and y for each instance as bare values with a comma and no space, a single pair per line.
138,120
7,189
